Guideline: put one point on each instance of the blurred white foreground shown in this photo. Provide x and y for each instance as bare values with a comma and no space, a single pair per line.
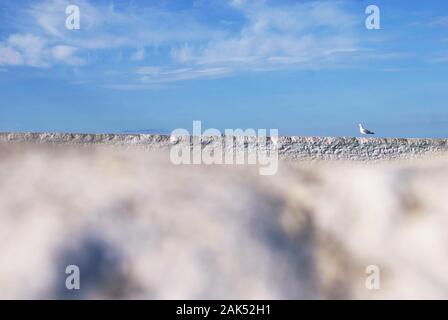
140,227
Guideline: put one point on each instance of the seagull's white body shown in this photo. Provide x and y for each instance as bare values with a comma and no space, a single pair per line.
364,130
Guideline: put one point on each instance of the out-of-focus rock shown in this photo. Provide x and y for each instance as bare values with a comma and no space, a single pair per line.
140,227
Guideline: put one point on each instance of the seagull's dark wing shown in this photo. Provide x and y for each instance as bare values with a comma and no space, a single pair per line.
369,132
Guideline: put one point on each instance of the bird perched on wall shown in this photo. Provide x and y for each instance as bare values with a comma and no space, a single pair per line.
364,130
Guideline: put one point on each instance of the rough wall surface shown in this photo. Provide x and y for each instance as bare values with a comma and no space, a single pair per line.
289,148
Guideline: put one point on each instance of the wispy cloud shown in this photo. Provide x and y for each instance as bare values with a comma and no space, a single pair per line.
163,74
296,35
395,70
25,49
439,22
66,54
10,56
268,36
106,26
139,55
441,59
41,39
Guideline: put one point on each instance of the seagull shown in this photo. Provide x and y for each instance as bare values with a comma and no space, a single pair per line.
364,130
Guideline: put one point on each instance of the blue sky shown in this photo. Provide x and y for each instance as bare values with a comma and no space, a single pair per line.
304,67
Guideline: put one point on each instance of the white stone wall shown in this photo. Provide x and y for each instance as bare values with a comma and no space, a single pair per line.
289,148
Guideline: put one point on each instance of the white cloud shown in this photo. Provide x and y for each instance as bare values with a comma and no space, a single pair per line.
440,59
35,51
151,74
303,35
151,70
65,54
42,40
139,55
9,56
238,3
439,22
80,82
105,27
23,49
274,36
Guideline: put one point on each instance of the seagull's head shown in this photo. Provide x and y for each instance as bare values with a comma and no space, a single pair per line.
360,125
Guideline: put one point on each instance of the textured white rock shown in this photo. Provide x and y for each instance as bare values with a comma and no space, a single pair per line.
289,148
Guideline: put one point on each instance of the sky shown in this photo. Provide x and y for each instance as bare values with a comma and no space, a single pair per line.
308,68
